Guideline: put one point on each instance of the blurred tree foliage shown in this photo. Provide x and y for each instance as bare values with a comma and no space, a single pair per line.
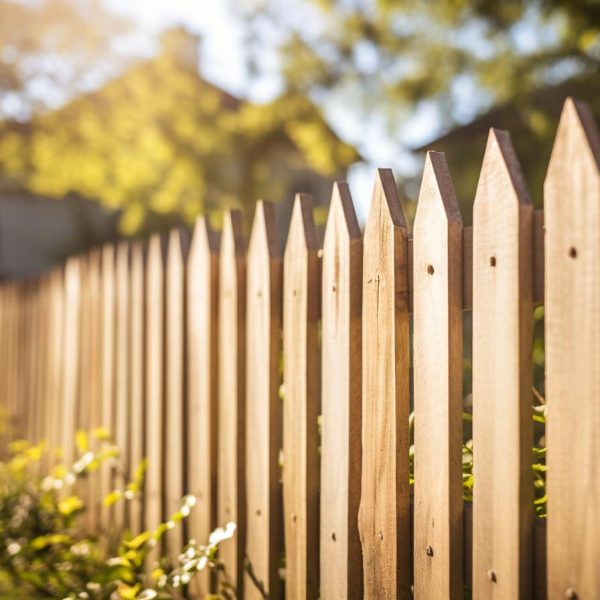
457,58
162,145
50,49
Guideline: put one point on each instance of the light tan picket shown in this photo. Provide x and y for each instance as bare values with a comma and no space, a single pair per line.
301,308
572,320
502,376
155,382
340,551
384,507
437,356
136,380
202,322
263,407
174,400
231,505
122,374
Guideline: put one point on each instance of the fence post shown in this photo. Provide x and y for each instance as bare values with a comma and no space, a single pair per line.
572,320
301,403
231,419
502,375
202,339
437,313
263,407
384,520
341,564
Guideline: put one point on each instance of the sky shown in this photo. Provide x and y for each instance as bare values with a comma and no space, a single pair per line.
222,62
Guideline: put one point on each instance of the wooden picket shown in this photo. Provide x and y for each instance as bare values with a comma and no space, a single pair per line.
231,506
179,356
136,380
155,381
502,372
341,569
122,373
175,382
437,356
202,320
384,519
301,308
572,319
264,543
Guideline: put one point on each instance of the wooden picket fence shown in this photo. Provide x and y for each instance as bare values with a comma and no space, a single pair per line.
216,361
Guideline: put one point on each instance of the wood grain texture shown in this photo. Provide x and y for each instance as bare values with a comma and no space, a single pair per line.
437,356
232,381
175,388
572,320
340,551
202,347
384,507
301,308
155,384
264,545
136,379
122,374
502,373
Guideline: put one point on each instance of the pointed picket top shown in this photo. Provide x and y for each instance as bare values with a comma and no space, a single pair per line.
437,195
577,141
175,247
501,177
302,232
342,216
232,237
204,239
155,250
386,200
263,237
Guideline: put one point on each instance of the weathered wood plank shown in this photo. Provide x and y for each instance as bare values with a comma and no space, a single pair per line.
301,308
155,384
384,507
175,388
437,356
232,381
502,373
202,347
572,320
340,551
264,544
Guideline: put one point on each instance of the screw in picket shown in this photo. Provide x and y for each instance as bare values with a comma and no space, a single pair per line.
429,551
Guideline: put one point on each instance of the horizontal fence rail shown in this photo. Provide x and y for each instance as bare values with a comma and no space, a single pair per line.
300,392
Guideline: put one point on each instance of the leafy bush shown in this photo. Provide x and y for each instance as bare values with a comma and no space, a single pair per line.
44,552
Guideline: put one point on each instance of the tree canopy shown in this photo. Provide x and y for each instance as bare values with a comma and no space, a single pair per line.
163,145
453,60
